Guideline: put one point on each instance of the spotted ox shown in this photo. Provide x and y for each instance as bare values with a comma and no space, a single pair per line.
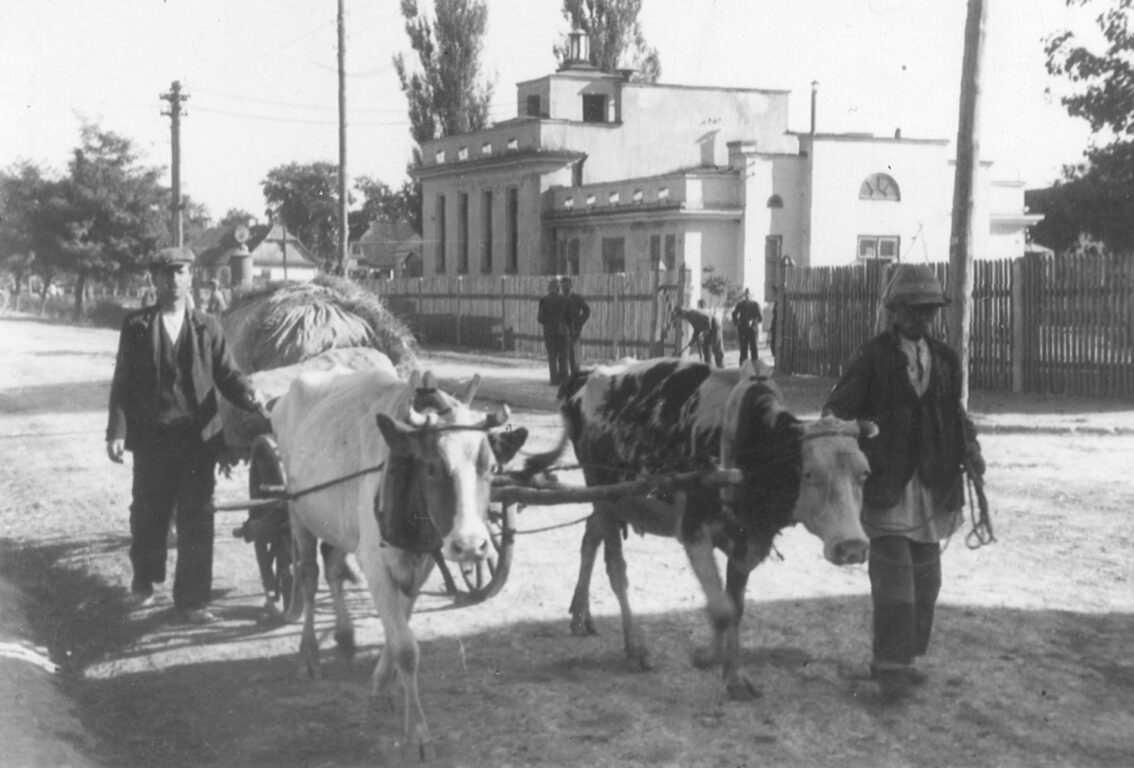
670,415
436,458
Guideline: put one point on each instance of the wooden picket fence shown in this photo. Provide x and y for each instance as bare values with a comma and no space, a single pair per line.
1060,325
629,312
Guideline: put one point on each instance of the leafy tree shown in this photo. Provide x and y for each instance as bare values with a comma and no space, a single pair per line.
306,198
446,94
615,35
108,214
235,217
1094,198
381,202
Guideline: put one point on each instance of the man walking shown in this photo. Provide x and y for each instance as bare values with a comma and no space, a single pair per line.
747,318
578,312
172,360
552,315
910,385
706,333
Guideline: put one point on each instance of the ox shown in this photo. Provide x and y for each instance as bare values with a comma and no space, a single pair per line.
432,492
670,415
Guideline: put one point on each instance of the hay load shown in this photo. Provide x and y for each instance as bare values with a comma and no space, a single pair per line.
286,323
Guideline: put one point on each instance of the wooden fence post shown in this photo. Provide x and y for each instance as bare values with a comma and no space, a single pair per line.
1016,304
616,315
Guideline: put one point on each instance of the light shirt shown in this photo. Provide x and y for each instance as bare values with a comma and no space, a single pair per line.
917,363
172,324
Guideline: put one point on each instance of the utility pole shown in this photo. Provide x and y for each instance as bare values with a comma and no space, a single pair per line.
175,97
968,162
344,231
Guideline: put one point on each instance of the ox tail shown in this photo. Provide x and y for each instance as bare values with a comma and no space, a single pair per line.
540,463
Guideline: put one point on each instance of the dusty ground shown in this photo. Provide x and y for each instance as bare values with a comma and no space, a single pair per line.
1032,664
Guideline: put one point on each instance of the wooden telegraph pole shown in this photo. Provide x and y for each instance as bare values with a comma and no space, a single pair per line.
175,97
344,231
968,160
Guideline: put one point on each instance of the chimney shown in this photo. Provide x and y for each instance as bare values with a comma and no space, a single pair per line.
578,47
814,94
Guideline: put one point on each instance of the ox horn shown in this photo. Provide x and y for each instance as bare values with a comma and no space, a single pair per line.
498,418
419,420
471,389
868,428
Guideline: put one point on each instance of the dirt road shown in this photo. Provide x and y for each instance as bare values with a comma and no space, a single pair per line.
1032,663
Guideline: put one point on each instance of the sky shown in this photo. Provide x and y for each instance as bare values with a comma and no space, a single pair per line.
261,76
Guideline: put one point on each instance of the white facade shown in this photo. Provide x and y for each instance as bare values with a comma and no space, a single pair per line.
600,174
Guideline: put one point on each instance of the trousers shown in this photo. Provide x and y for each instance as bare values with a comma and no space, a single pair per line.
905,580
174,475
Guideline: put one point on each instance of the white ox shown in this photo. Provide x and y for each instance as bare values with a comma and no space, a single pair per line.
432,492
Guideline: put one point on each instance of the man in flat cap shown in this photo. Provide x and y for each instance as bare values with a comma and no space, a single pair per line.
909,384
578,313
552,315
172,362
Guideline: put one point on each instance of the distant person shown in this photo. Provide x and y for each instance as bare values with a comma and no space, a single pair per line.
552,315
747,318
149,296
578,313
706,333
909,384
212,299
173,364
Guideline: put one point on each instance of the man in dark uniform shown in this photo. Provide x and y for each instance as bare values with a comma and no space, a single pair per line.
747,318
578,312
909,384
706,333
552,316
172,361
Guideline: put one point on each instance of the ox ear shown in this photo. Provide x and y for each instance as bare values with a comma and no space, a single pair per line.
867,428
396,435
470,390
506,444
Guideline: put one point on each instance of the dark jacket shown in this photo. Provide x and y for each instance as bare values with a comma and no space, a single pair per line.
746,314
578,312
134,400
927,435
552,314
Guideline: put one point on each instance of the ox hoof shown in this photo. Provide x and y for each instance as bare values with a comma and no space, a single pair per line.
583,625
344,639
705,657
741,688
639,659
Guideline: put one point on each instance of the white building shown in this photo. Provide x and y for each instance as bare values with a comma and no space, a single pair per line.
597,173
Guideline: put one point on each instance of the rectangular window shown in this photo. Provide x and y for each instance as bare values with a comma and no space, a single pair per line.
533,105
486,233
440,256
513,234
671,252
573,256
655,253
878,247
594,108
462,234
613,254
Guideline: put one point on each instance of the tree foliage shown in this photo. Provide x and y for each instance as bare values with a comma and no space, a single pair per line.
615,35
305,197
1096,198
445,92
383,203
105,216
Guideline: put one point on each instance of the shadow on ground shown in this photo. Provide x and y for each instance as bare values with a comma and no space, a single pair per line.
1008,687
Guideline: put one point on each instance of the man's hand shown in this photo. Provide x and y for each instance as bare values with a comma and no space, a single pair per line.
114,450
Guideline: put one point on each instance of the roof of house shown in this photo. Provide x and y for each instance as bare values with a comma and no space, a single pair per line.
270,251
385,241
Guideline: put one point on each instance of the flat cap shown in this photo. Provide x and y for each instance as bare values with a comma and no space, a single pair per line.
168,257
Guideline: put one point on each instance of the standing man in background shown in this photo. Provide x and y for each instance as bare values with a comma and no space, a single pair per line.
909,384
552,315
578,312
212,300
747,318
172,362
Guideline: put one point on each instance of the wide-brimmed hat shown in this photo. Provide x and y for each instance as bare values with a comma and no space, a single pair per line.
168,257
914,285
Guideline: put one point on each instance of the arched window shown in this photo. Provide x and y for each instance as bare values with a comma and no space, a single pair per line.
775,201
879,186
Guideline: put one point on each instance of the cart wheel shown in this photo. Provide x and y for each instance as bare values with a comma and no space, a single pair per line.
272,540
479,581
